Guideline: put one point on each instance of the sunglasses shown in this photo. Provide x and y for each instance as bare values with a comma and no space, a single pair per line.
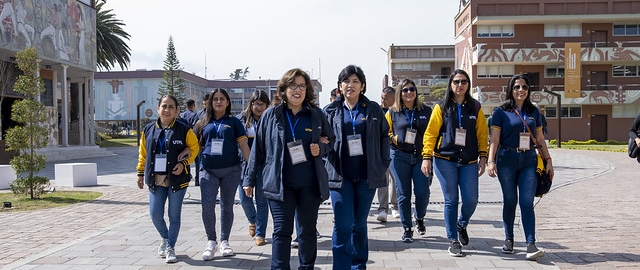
463,82
518,87
410,89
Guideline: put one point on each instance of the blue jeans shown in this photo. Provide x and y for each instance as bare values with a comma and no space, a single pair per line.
298,204
351,205
157,201
258,214
517,175
227,180
452,175
405,169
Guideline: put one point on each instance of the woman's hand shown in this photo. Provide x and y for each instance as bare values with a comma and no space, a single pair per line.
248,191
550,169
638,142
481,164
426,167
324,139
315,149
177,170
185,154
140,182
491,169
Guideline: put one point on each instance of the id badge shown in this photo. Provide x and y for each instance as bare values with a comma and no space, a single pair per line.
410,136
461,136
161,164
296,151
216,147
524,141
355,145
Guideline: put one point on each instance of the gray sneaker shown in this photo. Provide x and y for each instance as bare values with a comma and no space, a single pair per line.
162,249
171,255
533,253
508,246
455,249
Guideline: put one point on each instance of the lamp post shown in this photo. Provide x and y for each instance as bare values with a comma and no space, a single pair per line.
558,113
388,67
138,121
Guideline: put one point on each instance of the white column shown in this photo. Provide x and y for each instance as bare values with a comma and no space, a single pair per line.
91,110
81,112
87,102
65,107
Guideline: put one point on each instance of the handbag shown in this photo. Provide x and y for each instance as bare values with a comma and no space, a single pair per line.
633,148
544,179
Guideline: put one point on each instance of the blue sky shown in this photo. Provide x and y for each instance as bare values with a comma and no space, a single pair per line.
271,37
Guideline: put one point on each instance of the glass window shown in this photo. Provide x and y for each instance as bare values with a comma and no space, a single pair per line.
495,31
566,111
625,71
554,71
628,29
563,30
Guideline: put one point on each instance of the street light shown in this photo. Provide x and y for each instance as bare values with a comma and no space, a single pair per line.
388,67
138,120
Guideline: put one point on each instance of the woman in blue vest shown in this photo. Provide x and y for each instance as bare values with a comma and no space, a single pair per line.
167,147
220,136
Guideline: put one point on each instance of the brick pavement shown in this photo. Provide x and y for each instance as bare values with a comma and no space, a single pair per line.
578,225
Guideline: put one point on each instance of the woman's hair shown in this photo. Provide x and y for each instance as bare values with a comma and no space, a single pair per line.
175,100
257,95
289,78
350,70
448,102
398,103
510,102
209,115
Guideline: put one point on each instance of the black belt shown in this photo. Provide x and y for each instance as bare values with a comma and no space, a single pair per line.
519,150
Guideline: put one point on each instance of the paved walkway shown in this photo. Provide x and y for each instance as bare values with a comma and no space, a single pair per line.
587,221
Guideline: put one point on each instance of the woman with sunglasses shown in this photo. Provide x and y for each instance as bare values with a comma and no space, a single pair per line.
454,142
288,147
512,157
356,166
258,214
220,136
408,119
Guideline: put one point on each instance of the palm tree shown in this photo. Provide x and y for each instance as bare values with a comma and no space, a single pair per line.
110,37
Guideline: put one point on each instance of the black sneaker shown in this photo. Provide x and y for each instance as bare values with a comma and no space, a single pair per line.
455,249
508,246
407,236
462,235
420,226
533,253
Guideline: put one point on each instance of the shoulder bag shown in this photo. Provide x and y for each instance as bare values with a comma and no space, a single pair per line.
544,179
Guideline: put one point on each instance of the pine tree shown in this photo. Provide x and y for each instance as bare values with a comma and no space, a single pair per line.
172,83
31,133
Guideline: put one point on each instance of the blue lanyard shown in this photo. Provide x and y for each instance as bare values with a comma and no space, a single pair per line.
161,140
459,115
410,119
292,127
217,126
524,117
353,117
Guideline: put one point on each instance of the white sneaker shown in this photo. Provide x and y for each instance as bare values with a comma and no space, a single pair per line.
294,243
382,216
395,213
171,255
209,251
225,249
162,249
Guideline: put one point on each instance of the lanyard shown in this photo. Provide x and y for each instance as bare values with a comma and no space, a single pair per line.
410,119
161,140
292,127
353,117
217,126
459,115
524,118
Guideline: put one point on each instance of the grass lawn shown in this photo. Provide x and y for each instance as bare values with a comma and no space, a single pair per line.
47,200
593,147
119,142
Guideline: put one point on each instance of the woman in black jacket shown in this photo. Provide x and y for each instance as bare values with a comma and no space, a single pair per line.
288,148
356,166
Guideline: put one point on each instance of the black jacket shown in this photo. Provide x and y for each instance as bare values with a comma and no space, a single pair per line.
377,143
268,149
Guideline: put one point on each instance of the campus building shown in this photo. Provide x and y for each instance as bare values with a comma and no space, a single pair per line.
64,33
586,53
120,94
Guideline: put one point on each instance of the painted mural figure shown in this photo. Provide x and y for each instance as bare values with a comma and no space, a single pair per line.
23,28
7,12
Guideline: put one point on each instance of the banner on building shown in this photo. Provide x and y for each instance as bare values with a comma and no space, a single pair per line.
572,72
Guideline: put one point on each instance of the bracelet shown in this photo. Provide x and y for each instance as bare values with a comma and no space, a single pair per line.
548,158
490,161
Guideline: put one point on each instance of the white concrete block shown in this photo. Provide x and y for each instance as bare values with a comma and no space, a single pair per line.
76,174
7,175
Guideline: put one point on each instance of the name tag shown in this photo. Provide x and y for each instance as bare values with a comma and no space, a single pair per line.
296,151
161,163
410,136
461,136
355,145
524,141
216,147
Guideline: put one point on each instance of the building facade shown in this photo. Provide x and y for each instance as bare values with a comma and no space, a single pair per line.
586,53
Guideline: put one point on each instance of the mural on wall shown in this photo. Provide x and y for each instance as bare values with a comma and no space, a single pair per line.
116,99
586,97
549,54
62,30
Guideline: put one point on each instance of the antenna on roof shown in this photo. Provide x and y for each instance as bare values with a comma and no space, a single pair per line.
205,65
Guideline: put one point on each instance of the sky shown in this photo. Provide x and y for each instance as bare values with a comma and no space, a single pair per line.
270,37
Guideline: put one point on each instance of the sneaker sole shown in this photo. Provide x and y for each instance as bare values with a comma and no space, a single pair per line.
381,219
171,260
422,232
408,240
535,256
455,254
507,251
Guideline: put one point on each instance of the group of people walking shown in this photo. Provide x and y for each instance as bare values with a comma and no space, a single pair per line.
290,156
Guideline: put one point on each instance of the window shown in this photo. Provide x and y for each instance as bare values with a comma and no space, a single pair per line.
423,67
495,71
625,111
625,71
567,111
563,30
495,31
556,71
412,67
629,29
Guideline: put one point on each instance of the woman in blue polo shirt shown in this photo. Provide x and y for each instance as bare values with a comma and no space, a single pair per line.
220,136
512,157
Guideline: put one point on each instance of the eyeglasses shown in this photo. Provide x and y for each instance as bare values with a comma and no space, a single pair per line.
258,104
294,86
463,82
523,87
410,89
354,82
